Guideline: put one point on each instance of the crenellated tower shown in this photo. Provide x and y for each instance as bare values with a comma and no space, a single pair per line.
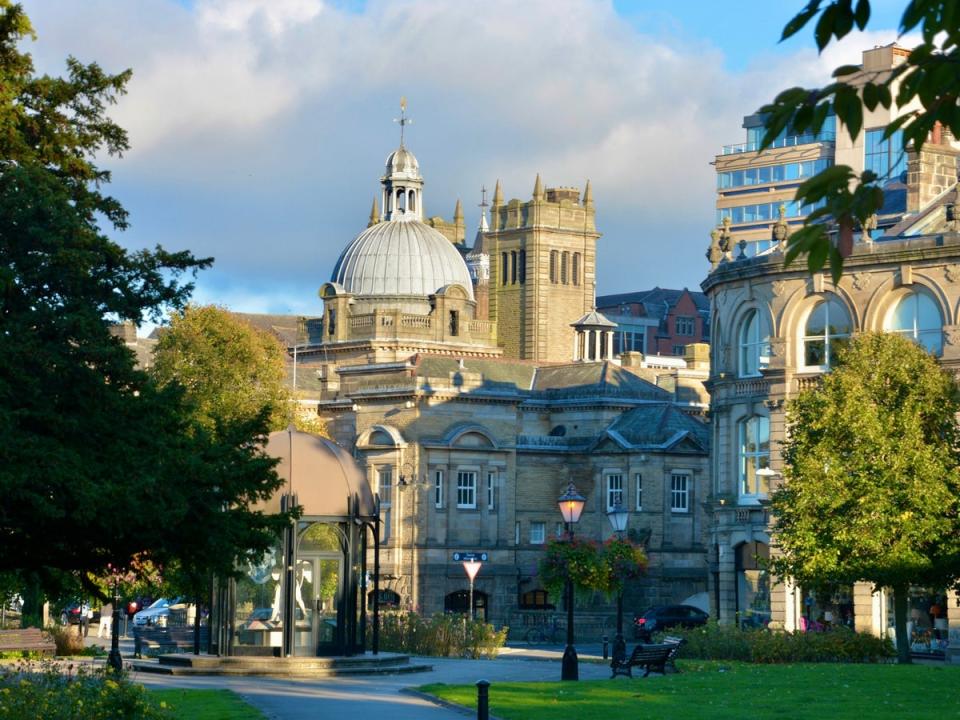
542,256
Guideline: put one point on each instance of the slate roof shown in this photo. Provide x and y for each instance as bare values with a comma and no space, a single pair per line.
514,375
658,297
285,327
603,379
658,426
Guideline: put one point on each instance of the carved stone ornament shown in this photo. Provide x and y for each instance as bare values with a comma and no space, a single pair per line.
777,287
778,347
861,280
951,334
952,272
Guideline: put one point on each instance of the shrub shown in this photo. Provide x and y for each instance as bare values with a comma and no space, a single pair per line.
67,639
52,692
443,635
727,642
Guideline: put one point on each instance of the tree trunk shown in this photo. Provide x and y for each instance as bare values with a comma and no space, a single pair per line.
900,623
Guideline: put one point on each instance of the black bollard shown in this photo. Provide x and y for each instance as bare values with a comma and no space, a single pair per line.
605,649
483,700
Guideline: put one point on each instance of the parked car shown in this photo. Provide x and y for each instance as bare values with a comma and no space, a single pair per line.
70,615
660,618
158,613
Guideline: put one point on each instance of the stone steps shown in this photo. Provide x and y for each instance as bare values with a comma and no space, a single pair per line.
301,667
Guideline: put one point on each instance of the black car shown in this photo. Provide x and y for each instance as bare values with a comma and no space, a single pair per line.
666,616
70,615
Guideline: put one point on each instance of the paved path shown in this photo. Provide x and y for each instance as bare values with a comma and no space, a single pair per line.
360,697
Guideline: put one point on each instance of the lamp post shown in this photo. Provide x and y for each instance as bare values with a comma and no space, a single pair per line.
113,659
571,505
617,516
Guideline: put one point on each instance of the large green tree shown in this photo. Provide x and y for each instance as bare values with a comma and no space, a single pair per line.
99,464
872,477
230,370
928,78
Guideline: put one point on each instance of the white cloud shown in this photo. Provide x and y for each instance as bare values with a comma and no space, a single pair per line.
259,126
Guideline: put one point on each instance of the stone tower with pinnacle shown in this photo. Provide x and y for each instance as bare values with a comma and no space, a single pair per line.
542,269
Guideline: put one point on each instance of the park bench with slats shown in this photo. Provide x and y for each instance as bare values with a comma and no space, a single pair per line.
28,640
653,658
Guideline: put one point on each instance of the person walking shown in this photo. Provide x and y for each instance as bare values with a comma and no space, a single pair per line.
84,626
105,628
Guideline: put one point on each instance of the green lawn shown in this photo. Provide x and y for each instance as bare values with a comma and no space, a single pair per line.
206,705
733,691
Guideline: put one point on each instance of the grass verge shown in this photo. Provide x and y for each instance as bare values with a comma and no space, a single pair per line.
206,705
732,691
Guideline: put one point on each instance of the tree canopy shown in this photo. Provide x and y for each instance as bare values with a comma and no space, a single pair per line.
872,474
230,371
99,463
928,79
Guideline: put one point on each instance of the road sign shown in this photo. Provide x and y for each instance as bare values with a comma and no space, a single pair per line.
469,557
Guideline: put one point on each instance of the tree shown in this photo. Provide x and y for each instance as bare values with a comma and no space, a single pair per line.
230,371
929,77
872,477
99,463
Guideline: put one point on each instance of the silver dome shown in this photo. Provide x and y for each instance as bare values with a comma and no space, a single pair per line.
400,257
402,162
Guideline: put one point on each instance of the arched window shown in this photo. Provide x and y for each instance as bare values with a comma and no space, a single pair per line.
401,200
503,268
564,264
523,266
553,266
412,200
917,316
513,267
754,345
575,271
754,454
827,329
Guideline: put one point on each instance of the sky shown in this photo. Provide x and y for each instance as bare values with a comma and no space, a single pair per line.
259,128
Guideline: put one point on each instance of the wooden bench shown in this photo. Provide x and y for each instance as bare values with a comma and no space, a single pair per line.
27,640
676,642
650,657
158,640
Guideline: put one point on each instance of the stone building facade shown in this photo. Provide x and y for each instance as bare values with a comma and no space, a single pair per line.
470,424
775,331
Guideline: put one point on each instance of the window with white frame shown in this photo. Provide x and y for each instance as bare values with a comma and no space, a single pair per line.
826,330
438,488
754,345
614,490
754,436
916,316
466,489
680,492
638,485
538,533
491,490
385,490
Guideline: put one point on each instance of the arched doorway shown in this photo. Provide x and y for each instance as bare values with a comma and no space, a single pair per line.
459,602
389,599
753,584
319,593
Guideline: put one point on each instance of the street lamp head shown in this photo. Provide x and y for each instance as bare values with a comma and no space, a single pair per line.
767,472
618,515
571,504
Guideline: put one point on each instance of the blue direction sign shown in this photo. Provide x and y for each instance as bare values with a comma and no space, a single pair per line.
469,557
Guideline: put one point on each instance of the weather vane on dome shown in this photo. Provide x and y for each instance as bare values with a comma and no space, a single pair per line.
403,119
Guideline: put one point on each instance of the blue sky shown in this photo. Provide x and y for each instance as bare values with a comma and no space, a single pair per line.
260,127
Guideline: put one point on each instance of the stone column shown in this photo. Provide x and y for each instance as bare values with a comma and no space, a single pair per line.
868,615
953,620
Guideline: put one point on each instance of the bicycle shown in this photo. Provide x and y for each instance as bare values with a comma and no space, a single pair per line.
544,633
